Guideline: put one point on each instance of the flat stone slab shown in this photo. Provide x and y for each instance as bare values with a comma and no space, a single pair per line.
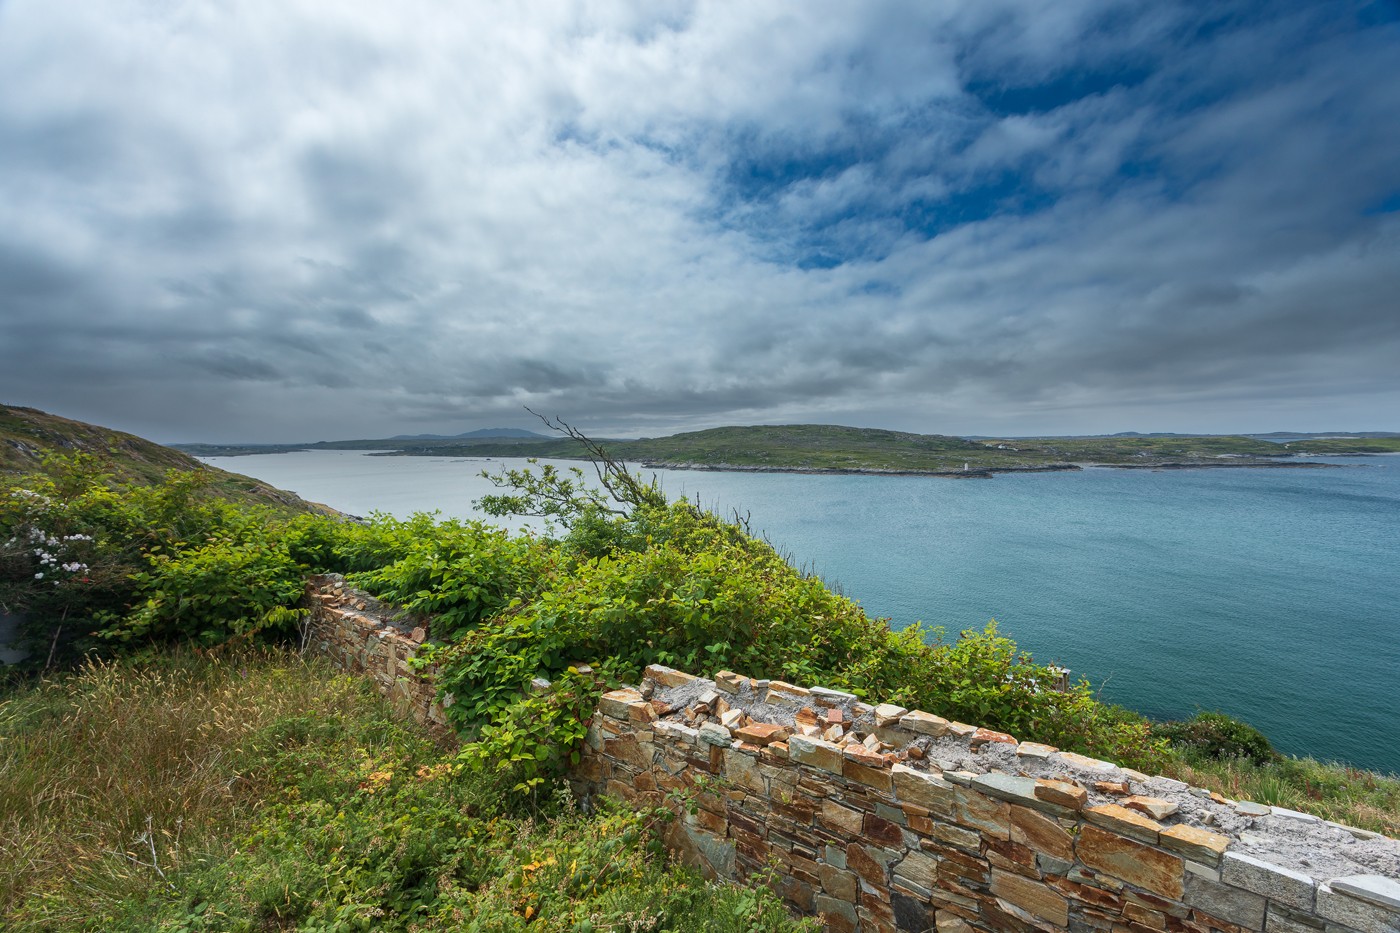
1375,889
1275,882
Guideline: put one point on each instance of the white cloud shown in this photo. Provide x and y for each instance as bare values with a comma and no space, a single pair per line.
285,218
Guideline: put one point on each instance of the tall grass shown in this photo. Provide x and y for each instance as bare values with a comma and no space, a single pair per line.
253,791
1336,792
123,773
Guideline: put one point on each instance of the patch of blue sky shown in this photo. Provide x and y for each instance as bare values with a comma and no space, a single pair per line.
1047,96
1386,205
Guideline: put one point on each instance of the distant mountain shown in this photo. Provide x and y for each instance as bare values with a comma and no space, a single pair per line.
481,432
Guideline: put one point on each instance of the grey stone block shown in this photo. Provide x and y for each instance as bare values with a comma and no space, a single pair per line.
1225,902
1376,889
1356,913
1275,882
1283,920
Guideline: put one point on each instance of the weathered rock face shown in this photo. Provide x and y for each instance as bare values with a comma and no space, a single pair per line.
881,819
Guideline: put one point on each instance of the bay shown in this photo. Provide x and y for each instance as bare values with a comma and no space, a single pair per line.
1270,594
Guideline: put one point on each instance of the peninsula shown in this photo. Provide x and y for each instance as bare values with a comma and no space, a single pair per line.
824,448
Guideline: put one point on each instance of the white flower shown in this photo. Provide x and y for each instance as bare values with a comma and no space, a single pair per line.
38,576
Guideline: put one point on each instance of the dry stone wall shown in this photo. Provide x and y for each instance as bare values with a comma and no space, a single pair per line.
364,636
878,818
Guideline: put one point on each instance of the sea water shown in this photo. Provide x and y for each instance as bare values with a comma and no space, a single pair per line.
1270,594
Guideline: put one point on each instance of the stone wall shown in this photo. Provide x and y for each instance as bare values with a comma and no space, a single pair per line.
364,636
879,818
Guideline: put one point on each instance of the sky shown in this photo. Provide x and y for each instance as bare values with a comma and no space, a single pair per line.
295,220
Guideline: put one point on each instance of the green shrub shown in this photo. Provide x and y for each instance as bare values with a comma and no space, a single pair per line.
94,562
459,573
1216,735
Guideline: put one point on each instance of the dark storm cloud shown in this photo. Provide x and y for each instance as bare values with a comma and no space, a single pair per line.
314,220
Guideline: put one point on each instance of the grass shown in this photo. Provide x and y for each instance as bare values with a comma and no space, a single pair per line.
1336,792
256,791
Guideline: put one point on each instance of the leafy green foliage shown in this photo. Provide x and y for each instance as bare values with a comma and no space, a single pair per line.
668,583
460,574
1216,735
92,559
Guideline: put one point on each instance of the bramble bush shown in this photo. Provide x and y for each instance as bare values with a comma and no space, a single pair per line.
1216,735
94,561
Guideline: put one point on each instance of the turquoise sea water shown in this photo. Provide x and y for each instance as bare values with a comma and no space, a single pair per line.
1271,594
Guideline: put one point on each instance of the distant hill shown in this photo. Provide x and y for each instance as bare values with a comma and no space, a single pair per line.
482,432
828,448
27,434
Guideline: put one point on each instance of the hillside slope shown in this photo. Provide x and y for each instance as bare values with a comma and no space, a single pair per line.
27,435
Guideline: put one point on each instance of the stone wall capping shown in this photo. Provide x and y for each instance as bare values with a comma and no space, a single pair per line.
1288,814
1035,750
1345,908
1375,889
1062,793
924,723
1154,807
829,697
1084,762
1195,844
667,676
786,694
1272,881
1250,808
1125,822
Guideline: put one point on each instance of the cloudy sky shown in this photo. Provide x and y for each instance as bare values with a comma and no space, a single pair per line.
305,219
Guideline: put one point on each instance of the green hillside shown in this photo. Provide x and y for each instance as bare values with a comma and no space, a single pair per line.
836,448
27,435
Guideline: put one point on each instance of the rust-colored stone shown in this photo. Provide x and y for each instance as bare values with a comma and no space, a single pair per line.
1062,793
923,789
838,883
882,831
711,822
624,748
1086,893
761,733
1130,861
841,818
869,770
1011,856
988,816
984,736
1031,896
1041,833
1199,845
860,861
1154,807
1125,822
919,868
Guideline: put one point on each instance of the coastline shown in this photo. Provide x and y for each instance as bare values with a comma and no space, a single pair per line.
976,473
